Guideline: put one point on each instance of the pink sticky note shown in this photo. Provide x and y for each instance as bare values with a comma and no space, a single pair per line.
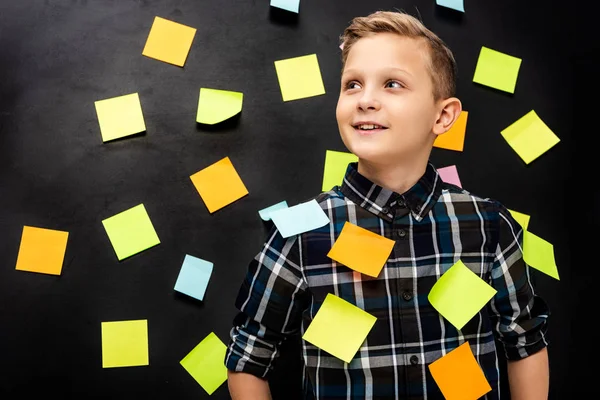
450,175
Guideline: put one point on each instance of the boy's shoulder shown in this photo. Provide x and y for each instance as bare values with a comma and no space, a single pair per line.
329,199
455,194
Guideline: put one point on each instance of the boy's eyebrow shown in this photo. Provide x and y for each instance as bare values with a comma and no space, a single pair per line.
387,69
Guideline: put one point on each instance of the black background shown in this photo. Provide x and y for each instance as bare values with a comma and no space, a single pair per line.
58,57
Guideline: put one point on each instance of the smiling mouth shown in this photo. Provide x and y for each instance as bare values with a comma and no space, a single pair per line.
366,129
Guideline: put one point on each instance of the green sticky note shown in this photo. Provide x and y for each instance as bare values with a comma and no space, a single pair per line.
124,343
530,137
522,219
299,77
120,116
539,254
497,70
131,231
459,294
336,163
216,106
339,328
206,363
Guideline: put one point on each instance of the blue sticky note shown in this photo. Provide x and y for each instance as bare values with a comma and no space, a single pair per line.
300,218
289,5
457,5
265,213
193,277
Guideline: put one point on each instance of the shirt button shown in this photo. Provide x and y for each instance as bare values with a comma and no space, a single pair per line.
414,360
401,233
385,210
407,296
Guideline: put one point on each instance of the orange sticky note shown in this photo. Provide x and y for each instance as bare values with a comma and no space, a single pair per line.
454,139
42,250
219,184
459,376
361,249
169,41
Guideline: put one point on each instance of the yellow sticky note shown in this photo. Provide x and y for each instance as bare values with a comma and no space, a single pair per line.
530,137
131,231
522,219
459,376
497,70
216,106
206,363
454,139
459,294
539,254
339,328
120,116
219,185
125,343
42,250
169,41
361,249
336,163
299,77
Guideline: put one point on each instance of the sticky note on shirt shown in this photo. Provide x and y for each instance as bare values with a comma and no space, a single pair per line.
459,376
193,277
124,343
265,213
449,174
205,363
336,164
360,249
530,137
288,5
120,116
169,41
299,77
216,106
457,5
522,219
339,328
539,254
42,250
454,139
497,70
459,294
300,218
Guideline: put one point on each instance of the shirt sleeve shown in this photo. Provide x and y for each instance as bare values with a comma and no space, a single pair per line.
519,314
270,301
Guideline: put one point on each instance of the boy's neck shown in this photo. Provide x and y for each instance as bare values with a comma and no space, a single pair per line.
396,177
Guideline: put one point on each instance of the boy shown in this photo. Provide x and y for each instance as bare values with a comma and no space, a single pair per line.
397,95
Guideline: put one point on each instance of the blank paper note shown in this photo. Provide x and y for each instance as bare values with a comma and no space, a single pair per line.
339,328
497,70
336,163
449,174
125,343
539,254
206,363
454,139
216,106
300,218
457,5
299,77
120,116
169,41
131,231
288,5
522,219
193,277
42,250
530,137
265,213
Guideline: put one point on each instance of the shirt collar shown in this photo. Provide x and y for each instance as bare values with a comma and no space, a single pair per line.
387,204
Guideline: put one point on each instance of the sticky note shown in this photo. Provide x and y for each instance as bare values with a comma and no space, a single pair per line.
299,77
530,137
131,231
265,213
42,250
206,363
169,41
219,184
459,294
459,376
120,116
457,5
193,277
454,139
539,254
339,328
288,5
125,343
449,174
336,163
497,70
360,249
216,106
522,219
300,218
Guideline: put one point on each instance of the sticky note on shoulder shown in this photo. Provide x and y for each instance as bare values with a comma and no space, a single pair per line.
300,218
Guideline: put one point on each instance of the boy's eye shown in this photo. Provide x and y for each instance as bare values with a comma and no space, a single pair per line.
352,85
396,83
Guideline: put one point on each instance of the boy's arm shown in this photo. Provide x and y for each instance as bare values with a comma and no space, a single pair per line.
529,378
244,386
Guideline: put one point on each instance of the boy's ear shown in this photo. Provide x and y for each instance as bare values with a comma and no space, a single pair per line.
450,109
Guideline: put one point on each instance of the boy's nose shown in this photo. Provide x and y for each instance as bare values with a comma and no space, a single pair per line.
368,102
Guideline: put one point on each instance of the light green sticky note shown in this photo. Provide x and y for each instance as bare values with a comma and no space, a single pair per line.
124,343
216,106
522,219
206,363
299,77
539,254
131,231
336,163
530,137
339,328
459,294
497,70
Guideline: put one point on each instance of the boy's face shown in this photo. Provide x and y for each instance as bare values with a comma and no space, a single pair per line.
386,111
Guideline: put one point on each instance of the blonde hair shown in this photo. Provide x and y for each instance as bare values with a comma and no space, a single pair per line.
442,65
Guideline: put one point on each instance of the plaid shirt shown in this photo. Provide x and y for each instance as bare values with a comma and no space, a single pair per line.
434,224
